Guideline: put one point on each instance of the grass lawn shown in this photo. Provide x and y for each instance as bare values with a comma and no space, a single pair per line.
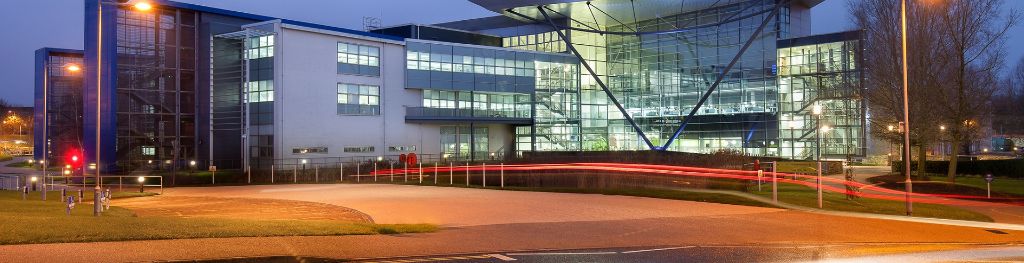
36,221
808,197
999,185
20,165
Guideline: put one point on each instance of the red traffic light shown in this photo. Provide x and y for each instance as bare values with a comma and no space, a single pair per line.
74,158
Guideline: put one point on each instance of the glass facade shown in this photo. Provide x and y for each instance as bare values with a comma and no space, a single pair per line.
828,74
63,116
156,86
472,83
259,89
356,99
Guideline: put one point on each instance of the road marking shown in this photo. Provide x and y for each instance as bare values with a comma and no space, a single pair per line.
561,253
654,249
501,257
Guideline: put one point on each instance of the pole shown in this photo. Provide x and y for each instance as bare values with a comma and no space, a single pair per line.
775,182
99,83
435,172
316,173
502,175
46,86
906,111
271,173
467,174
484,177
451,173
213,176
819,184
421,172
405,172
358,178
374,171
248,174
988,189
391,171
341,172
295,174
760,174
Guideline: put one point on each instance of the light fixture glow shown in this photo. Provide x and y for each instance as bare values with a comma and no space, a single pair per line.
143,6
73,67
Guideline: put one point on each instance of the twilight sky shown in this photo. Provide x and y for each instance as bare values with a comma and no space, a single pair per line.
33,24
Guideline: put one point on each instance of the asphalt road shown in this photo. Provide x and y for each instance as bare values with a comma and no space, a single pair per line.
482,222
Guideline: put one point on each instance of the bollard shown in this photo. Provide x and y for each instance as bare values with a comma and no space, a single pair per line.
405,172
295,174
467,174
484,174
420,172
374,171
775,182
341,172
316,173
391,171
502,175
451,173
213,176
357,172
24,193
819,184
248,174
271,173
435,172
760,174
63,194
81,196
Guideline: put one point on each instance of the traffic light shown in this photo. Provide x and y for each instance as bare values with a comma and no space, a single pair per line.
74,158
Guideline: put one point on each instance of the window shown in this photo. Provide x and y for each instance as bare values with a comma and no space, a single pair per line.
148,150
411,148
261,91
356,99
260,47
306,150
358,59
359,149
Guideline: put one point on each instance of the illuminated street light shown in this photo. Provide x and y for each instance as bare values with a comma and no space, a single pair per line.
143,6
73,67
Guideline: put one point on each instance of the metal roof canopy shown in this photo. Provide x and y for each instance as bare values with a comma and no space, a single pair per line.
610,10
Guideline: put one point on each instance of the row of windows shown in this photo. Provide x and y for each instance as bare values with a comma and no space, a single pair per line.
468,64
354,99
321,150
359,149
410,148
356,59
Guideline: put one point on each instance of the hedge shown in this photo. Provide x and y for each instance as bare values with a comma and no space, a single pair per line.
1013,168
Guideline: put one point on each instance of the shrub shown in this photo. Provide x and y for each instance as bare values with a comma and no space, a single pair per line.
1012,168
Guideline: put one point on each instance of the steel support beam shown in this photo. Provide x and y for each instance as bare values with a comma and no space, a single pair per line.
689,117
597,79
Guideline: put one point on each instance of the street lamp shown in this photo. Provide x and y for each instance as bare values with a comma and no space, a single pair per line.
141,6
906,109
142,181
817,110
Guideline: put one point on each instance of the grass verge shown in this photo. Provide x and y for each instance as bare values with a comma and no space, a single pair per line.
656,193
35,221
808,197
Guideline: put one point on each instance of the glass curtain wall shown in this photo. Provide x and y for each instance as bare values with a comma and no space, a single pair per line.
155,90
825,74
259,60
660,79
64,112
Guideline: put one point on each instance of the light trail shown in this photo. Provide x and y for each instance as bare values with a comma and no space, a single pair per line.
828,183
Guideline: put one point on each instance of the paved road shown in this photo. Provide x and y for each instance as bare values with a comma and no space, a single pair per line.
490,221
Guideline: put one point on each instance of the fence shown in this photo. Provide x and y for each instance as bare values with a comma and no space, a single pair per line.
10,182
118,182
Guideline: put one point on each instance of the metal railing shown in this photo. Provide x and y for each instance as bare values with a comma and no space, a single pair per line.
119,182
10,182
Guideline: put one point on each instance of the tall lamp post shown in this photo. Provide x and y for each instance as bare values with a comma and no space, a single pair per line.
906,110
817,110
141,6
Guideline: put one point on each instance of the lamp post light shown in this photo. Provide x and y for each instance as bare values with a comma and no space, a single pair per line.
141,6
142,184
906,109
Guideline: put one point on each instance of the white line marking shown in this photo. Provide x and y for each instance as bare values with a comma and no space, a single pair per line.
655,249
501,257
561,253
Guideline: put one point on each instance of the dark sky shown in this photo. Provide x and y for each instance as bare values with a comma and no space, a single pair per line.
32,24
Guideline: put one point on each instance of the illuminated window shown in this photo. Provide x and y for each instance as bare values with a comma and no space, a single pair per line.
356,99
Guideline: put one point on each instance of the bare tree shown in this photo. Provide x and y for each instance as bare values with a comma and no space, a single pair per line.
975,31
884,79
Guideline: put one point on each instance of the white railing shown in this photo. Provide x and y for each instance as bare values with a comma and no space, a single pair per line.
131,182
